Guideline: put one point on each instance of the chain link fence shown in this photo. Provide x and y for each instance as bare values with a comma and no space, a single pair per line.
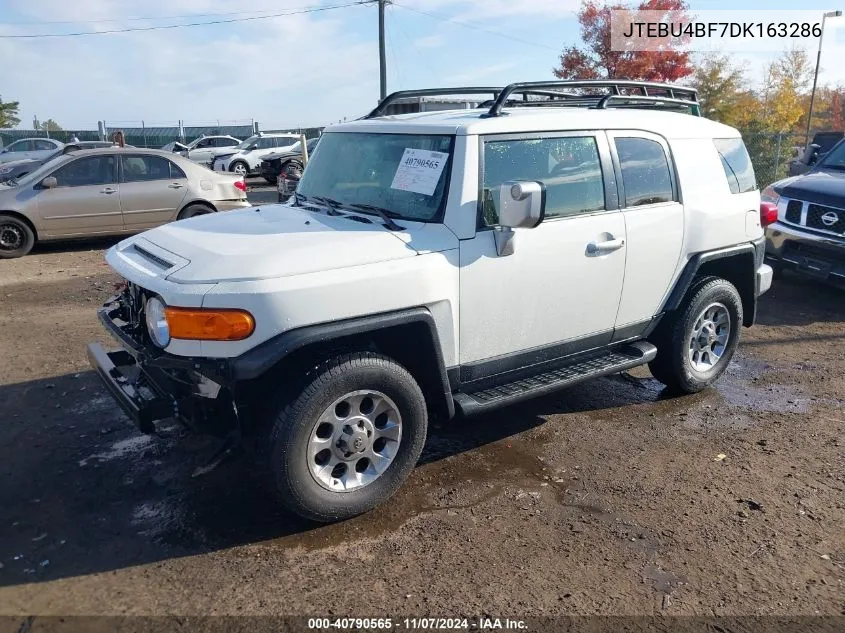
772,153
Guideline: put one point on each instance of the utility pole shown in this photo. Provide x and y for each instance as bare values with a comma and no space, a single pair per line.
381,52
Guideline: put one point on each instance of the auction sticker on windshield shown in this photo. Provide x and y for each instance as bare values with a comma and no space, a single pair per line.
419,171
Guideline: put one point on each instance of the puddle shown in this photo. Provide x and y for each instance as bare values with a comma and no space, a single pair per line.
738,388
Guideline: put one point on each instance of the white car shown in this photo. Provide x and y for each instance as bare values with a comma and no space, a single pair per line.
29,148
245,159
204,149
458,261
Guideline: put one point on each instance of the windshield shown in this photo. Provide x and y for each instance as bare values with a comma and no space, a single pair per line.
405,174
835,159
247,142
43,171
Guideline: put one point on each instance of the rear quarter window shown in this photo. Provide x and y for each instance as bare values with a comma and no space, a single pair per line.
737,164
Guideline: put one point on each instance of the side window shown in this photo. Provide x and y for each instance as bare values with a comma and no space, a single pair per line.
94,170
737,164
206,142
44,145
176,173
226,142
144,168
645,171
569,167
21,146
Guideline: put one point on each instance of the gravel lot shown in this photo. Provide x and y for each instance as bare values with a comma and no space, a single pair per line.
608,498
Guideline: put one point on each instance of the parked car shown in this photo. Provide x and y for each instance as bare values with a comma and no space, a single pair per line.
245,159
289,180
274,163
822,143
456,262
29,148
15,169
109,191
204,149
809,234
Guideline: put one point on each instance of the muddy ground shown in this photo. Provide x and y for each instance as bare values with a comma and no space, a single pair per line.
608,498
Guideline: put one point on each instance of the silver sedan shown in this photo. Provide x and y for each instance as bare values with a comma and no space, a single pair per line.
109,191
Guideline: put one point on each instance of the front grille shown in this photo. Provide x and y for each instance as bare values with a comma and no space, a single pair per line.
826,218
793,211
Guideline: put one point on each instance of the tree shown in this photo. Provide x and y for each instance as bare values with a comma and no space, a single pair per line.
596,59
783,96
50,126
721,90
9,113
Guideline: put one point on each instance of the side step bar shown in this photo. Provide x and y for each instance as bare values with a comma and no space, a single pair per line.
611,362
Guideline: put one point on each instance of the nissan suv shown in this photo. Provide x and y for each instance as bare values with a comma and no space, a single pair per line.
809,234
440,264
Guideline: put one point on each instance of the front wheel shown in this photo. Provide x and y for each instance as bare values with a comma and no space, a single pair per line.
240,168
697,346
349,439
16,237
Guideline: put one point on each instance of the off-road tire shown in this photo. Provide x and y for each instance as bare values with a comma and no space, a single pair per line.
287,436
193,210
673,366
20,239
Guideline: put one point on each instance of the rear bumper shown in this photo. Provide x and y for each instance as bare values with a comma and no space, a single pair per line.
812,255
764,278
231,205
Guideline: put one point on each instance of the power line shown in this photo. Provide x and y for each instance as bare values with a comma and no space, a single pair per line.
148,18
474,27
179,26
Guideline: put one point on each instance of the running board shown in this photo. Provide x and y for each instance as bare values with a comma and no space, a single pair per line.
610,362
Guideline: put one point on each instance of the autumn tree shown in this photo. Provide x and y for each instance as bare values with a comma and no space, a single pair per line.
722,90
595,58
784,89
9,113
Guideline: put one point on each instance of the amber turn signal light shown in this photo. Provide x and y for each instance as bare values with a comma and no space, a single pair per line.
201,324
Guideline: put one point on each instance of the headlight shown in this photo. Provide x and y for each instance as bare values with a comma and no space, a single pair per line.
156,320
769,195
5,170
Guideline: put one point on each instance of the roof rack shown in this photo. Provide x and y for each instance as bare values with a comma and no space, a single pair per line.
622,94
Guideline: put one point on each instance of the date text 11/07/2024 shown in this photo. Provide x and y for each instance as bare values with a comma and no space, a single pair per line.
417,624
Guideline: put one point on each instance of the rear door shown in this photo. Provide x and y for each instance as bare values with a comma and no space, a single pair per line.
85,200
42,149
654,223
151,190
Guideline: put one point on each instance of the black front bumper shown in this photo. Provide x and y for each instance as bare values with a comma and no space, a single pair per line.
150,385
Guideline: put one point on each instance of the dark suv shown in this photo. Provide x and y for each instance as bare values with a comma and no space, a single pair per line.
809,234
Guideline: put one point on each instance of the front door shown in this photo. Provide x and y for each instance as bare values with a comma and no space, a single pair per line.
151,190
558,293
85,200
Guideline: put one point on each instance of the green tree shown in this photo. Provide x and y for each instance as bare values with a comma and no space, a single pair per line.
721,89
9,113
50,126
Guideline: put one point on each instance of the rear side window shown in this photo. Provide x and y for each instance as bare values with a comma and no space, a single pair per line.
645,171
737,164
44,145
568,166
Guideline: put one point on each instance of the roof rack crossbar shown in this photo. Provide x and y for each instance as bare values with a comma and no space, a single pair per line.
393,97
680,93
692,105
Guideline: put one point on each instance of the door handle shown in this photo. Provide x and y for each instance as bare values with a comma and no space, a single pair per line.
609,246
108,190
175,185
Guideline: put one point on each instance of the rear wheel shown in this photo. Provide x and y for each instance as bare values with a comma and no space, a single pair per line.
193,210
695,348
16,237
349,439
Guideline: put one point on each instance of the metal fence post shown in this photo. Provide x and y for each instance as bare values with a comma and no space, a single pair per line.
777,156
144,133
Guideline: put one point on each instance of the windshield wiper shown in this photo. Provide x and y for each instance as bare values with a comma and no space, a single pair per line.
332,205
384,214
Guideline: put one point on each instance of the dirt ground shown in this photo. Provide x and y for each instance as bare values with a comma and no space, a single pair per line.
608,498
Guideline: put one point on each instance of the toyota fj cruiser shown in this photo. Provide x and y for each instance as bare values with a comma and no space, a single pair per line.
438,263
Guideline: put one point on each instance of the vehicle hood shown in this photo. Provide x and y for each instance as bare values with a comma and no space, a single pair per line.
20,162
820,186
278,241
277,155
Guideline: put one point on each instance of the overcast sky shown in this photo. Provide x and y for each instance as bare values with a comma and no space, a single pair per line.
299,70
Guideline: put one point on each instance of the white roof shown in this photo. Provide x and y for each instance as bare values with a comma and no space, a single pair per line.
542,119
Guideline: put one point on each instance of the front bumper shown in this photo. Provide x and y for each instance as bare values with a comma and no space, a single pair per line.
150,385
817,256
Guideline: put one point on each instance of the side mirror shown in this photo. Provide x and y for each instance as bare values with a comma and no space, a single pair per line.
522,205
49,182
813,154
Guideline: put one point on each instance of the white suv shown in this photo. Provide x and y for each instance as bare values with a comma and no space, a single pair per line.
245,159
440,263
